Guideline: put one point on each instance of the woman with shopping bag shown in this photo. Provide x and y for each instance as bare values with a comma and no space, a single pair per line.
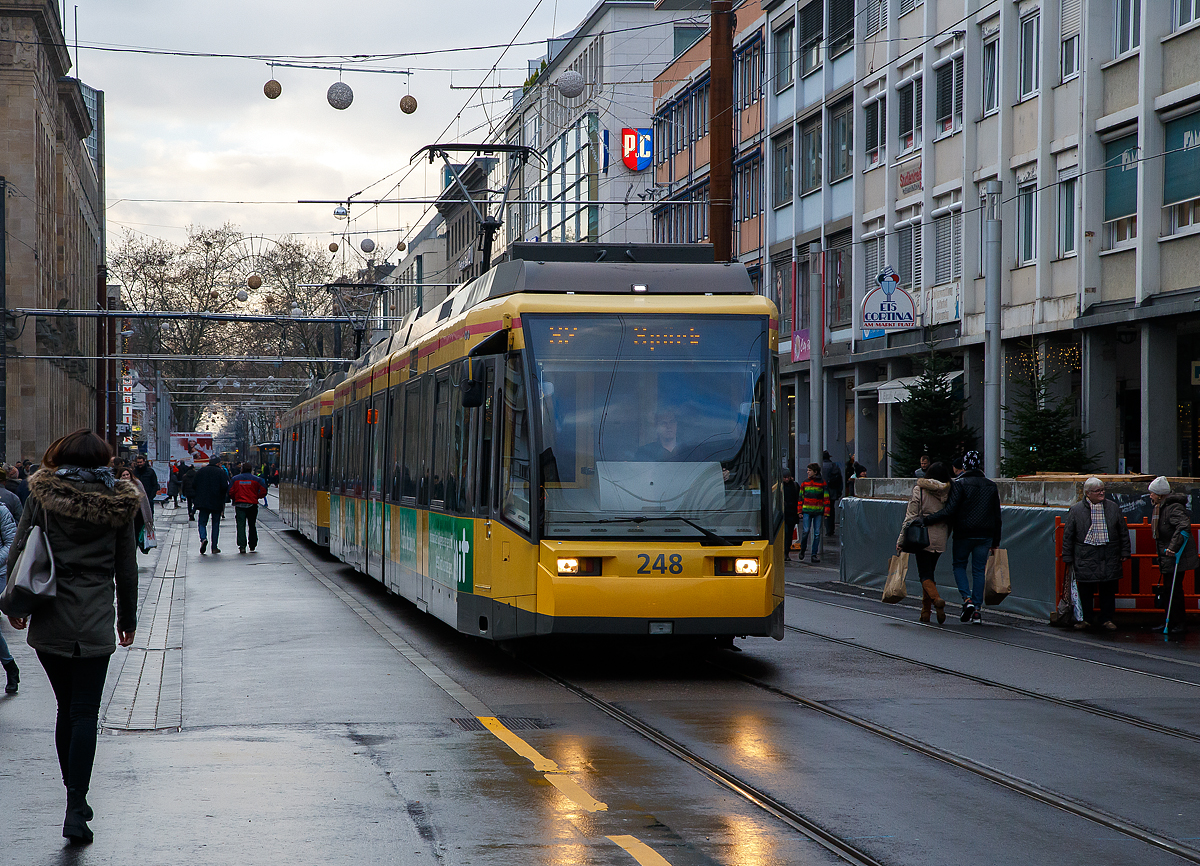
928,496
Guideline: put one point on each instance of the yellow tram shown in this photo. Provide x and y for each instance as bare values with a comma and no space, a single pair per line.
304,464
568,448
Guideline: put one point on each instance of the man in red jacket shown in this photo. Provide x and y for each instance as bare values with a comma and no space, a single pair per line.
245,490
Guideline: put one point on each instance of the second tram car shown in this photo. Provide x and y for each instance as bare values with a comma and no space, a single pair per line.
304,471
566,448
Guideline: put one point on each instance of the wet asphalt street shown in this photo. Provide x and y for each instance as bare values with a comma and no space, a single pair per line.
278,708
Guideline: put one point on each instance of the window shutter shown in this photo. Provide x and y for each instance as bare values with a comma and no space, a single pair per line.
871,255
941,250
907,6
871,130
956,245
905,239
944,86
872,17
906,110
810,24
958,86
1069,17
917,258
919,99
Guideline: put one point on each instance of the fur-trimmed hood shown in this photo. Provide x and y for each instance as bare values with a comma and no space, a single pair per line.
94,503
938,488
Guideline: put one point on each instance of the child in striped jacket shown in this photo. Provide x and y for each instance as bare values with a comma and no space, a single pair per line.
814,505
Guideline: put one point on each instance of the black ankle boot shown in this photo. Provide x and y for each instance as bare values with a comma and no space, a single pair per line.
79,813
14,677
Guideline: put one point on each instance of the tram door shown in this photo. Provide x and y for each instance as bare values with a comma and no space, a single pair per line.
377,439
485,437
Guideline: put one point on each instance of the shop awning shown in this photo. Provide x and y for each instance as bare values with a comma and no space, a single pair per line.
869,387
896,390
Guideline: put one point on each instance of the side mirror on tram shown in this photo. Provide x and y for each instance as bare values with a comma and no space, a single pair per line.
472,393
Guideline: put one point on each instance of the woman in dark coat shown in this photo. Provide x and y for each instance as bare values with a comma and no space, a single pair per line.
1095,543
87,516
1171,519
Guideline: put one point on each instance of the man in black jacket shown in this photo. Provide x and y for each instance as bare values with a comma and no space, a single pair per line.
832,475
973,511
187,486
791,511
144,472
211,491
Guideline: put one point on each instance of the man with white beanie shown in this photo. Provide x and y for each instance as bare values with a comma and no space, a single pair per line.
1170,521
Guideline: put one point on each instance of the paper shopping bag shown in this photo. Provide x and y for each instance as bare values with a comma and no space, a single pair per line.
893,590
996,585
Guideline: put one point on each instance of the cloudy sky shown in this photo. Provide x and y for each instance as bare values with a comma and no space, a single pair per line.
200,129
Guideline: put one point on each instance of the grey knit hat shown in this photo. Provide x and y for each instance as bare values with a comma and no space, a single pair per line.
1160,485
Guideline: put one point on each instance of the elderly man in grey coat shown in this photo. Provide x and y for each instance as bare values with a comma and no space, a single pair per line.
1095,543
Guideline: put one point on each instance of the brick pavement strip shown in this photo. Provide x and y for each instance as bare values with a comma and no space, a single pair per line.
148,694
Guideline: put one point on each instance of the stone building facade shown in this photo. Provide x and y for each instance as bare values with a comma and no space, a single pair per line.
52,161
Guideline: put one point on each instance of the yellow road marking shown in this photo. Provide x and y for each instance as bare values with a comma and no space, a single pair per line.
522,748
571,790
640,851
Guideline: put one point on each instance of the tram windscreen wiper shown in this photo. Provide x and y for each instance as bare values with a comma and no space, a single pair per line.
711,539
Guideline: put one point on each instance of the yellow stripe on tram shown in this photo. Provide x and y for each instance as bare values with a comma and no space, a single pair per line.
640,851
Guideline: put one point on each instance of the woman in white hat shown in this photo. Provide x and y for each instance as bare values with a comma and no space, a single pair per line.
1171,519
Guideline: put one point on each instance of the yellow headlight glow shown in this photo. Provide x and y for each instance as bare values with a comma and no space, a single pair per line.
745,566
568,565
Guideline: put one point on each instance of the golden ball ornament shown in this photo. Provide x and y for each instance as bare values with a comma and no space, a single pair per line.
408,103
272,89
254,281
333,247
401,246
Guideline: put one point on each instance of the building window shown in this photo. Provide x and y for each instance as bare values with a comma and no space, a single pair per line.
910,114
841,139
948,82
747,70
874,15
1181,172
783,69
811,37
1129,25
810,156
1069,66
947,248
841,26
875,131
1066,216
1186,11
1120,191
908,265
1030,52
1069,18
906,6
839,287
781,180
991,75
1026,223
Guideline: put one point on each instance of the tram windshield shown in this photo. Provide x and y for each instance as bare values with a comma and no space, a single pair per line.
651,426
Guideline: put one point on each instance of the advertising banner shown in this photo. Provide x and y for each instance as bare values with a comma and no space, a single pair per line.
194,448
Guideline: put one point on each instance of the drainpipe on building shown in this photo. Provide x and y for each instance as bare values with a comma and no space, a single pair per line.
991,320
816,355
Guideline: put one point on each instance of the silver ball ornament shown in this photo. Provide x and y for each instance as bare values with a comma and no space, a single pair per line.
340,95
366,245
570,84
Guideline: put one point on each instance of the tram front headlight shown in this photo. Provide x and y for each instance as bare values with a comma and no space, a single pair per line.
726,566
745,566
578,566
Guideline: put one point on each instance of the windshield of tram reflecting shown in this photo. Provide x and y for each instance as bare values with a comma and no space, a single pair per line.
651,426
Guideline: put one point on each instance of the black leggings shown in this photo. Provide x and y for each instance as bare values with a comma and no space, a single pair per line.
926,562
78,685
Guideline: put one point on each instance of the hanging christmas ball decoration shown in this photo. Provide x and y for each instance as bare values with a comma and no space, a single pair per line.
272,89
366,245
214,294
401,246
408,103
340,95
570,84
241,294
254,281
333,246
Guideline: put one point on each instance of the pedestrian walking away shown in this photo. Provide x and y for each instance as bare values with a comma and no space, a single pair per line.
210,489
12,502
8,533
173,484
973,511
928,497
143,521
853,470
87,516
1170,522
814,505
245,489
187,486
791,512
144,472
832,475
1095,542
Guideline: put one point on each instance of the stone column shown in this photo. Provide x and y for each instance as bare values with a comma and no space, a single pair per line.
1160,416
1099,406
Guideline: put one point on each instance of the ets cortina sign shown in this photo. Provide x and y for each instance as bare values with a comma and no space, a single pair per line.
637,148
888,307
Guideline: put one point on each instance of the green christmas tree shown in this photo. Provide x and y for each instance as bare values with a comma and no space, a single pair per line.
1045,437
931,419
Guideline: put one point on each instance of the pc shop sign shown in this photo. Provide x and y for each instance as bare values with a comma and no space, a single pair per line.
888,307
637,148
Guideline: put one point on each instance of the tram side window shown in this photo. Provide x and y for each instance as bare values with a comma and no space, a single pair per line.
364,457
412,426
441,435
514,456
314,445
487,422
336,444
395,448
379,434
353,446
326,452
424,432
458,485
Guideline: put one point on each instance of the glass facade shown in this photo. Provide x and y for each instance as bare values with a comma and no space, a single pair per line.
572,177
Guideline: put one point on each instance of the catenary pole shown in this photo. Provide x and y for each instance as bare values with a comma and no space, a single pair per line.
991,319
3,325
720,108
816,353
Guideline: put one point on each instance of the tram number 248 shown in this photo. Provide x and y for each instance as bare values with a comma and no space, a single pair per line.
662,564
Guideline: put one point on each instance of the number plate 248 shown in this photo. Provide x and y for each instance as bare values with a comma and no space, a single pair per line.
661,563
